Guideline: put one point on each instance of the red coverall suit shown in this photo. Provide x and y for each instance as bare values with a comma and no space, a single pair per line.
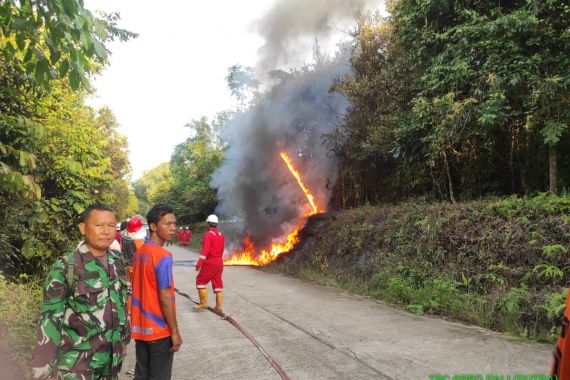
186,237
211,263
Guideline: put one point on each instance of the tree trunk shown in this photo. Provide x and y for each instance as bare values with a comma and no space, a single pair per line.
449,181
553,169
512,162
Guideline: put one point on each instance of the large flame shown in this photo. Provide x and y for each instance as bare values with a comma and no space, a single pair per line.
261,257
297,176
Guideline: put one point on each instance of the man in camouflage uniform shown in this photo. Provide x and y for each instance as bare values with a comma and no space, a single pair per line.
84,328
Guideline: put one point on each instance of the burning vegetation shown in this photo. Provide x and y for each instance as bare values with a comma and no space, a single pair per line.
255,256
281,129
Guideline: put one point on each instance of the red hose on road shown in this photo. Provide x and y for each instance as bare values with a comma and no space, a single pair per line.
252,339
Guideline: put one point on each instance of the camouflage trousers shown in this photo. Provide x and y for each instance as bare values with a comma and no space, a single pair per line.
99,374
81,371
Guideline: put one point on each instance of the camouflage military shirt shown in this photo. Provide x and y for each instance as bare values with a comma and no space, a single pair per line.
83,331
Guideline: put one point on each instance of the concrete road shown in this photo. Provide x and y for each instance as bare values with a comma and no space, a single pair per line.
316,332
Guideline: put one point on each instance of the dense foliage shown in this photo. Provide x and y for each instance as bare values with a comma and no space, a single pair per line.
454,100
502,264
57,155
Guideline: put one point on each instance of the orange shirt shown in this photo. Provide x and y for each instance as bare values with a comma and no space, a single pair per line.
139,243
561,365
152,271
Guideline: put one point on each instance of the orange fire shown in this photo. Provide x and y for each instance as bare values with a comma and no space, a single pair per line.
264,256
297,176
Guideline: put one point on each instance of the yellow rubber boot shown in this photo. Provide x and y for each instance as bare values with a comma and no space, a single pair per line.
219,300
203,294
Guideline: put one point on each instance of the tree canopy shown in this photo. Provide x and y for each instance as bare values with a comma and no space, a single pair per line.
57,156
184,183
456,100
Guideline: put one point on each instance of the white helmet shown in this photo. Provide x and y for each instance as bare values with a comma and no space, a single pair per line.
212,219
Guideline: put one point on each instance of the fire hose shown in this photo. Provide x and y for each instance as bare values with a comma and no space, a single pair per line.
251,338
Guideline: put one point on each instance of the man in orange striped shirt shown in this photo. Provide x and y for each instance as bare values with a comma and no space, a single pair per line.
561,366
153,310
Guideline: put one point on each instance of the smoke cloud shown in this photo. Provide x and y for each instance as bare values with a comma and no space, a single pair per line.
291,27
255,189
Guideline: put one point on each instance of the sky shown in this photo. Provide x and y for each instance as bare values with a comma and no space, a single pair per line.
175,70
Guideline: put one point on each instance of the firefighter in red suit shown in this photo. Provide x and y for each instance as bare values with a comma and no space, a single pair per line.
211,265
187,236
179,235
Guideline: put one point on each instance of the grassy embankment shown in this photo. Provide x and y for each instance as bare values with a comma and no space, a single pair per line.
501,264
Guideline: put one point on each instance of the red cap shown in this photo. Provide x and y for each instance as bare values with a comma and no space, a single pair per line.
135,224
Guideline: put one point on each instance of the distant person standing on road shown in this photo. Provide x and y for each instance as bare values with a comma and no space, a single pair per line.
211,265
185,236
179,235
84,328
153,313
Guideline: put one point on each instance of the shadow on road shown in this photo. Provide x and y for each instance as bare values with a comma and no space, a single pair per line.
185,263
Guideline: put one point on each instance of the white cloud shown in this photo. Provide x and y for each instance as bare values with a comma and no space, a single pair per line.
175,70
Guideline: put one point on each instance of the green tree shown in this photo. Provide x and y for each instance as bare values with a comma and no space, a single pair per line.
242,84
41,41
144,187
123,199
492,74
73,171
53,148
377,163
184,183
57,39
457,100
192,165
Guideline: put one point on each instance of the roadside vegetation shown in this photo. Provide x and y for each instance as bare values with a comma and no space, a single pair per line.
497,263
57,155
20,305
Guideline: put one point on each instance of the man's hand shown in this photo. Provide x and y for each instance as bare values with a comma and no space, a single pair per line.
197,268
169,313
176,342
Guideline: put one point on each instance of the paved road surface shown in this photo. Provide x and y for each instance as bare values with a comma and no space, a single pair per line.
317,332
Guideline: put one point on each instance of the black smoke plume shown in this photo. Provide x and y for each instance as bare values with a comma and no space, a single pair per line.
256,191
